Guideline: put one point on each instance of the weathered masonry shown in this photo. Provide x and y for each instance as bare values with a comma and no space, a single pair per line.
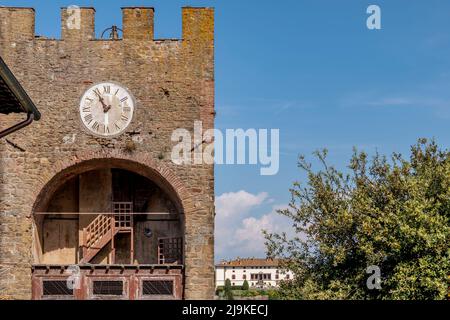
89,193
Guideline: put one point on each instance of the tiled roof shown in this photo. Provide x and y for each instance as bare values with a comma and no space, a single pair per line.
250,262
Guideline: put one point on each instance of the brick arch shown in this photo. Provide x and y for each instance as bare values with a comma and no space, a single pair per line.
140,163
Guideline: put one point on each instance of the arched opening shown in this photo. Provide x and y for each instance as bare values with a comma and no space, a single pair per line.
113,213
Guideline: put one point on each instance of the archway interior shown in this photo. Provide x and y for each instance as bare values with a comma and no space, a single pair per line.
153,234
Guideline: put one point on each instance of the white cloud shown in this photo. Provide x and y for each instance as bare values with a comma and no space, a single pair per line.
239,228
249,235
238,203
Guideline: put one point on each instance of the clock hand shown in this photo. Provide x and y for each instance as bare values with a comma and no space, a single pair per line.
106,119
102,102
106,108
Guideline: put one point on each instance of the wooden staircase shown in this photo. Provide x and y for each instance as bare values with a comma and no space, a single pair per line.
102,230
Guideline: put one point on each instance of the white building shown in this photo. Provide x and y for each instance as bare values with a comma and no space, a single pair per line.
257,272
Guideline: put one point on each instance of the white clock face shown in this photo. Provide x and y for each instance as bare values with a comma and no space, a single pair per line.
106,109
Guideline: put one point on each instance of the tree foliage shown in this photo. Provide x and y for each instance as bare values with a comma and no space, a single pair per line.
391,214
245,285
228,291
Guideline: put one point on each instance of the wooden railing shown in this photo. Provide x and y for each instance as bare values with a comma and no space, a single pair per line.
102,230
139,282
104,227
97,229
97,234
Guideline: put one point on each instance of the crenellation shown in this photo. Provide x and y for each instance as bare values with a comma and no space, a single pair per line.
198,26
77,24
138,23
17,23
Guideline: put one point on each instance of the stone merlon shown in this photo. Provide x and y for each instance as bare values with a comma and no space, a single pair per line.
78,24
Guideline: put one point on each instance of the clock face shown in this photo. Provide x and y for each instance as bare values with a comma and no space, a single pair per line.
106,109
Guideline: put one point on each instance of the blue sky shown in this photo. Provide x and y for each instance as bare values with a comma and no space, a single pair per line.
312,69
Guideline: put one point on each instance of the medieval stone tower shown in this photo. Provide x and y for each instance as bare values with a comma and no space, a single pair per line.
89,194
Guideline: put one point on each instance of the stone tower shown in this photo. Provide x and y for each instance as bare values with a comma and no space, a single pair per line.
56,176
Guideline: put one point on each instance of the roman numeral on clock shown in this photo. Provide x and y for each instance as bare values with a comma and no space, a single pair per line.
107,89
97,92
126,109
88,118
124,118
124,99
87,109
117,126
96,126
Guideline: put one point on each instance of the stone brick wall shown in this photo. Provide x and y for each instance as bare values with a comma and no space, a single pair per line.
173,83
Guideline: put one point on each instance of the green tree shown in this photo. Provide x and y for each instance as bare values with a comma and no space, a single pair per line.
391,214
245,285
228,290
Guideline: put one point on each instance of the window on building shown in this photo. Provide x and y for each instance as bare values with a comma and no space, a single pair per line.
260,276
233,277
244,277
267,276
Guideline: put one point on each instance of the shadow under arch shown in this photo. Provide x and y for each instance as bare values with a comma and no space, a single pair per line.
67,169
164,179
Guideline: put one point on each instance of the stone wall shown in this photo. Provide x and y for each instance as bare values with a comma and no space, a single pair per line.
173,83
